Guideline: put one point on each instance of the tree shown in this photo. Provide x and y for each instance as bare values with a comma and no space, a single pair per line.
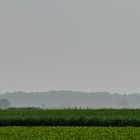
4,103
123,103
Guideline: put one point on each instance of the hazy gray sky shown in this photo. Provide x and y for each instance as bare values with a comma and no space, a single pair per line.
86,45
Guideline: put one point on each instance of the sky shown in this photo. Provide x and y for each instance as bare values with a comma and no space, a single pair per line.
80,45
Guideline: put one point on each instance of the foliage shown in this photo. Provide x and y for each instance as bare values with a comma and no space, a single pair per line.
69,117
69,133
4,103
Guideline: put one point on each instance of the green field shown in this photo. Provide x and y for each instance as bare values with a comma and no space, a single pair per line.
69,124
69,133
69,117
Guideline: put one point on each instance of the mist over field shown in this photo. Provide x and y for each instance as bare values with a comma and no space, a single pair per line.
64,47
70,69
71,99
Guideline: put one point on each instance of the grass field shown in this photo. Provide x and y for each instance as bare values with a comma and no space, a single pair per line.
69,117
69,133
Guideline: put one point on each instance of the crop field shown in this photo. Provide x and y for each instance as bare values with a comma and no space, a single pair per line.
69,117
69,124
69,133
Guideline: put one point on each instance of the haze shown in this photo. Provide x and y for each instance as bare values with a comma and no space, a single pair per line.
82,45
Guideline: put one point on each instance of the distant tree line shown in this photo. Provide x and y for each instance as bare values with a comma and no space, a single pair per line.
69,99
4,103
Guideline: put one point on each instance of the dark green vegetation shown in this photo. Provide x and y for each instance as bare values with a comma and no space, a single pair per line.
69,117
69,133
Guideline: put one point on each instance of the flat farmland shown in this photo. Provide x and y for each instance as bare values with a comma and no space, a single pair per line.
69,133
69,117
69,124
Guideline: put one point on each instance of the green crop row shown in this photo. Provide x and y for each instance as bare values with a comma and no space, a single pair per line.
69,133
67,121
70,117
67,112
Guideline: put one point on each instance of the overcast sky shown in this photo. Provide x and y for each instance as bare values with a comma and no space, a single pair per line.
86,45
